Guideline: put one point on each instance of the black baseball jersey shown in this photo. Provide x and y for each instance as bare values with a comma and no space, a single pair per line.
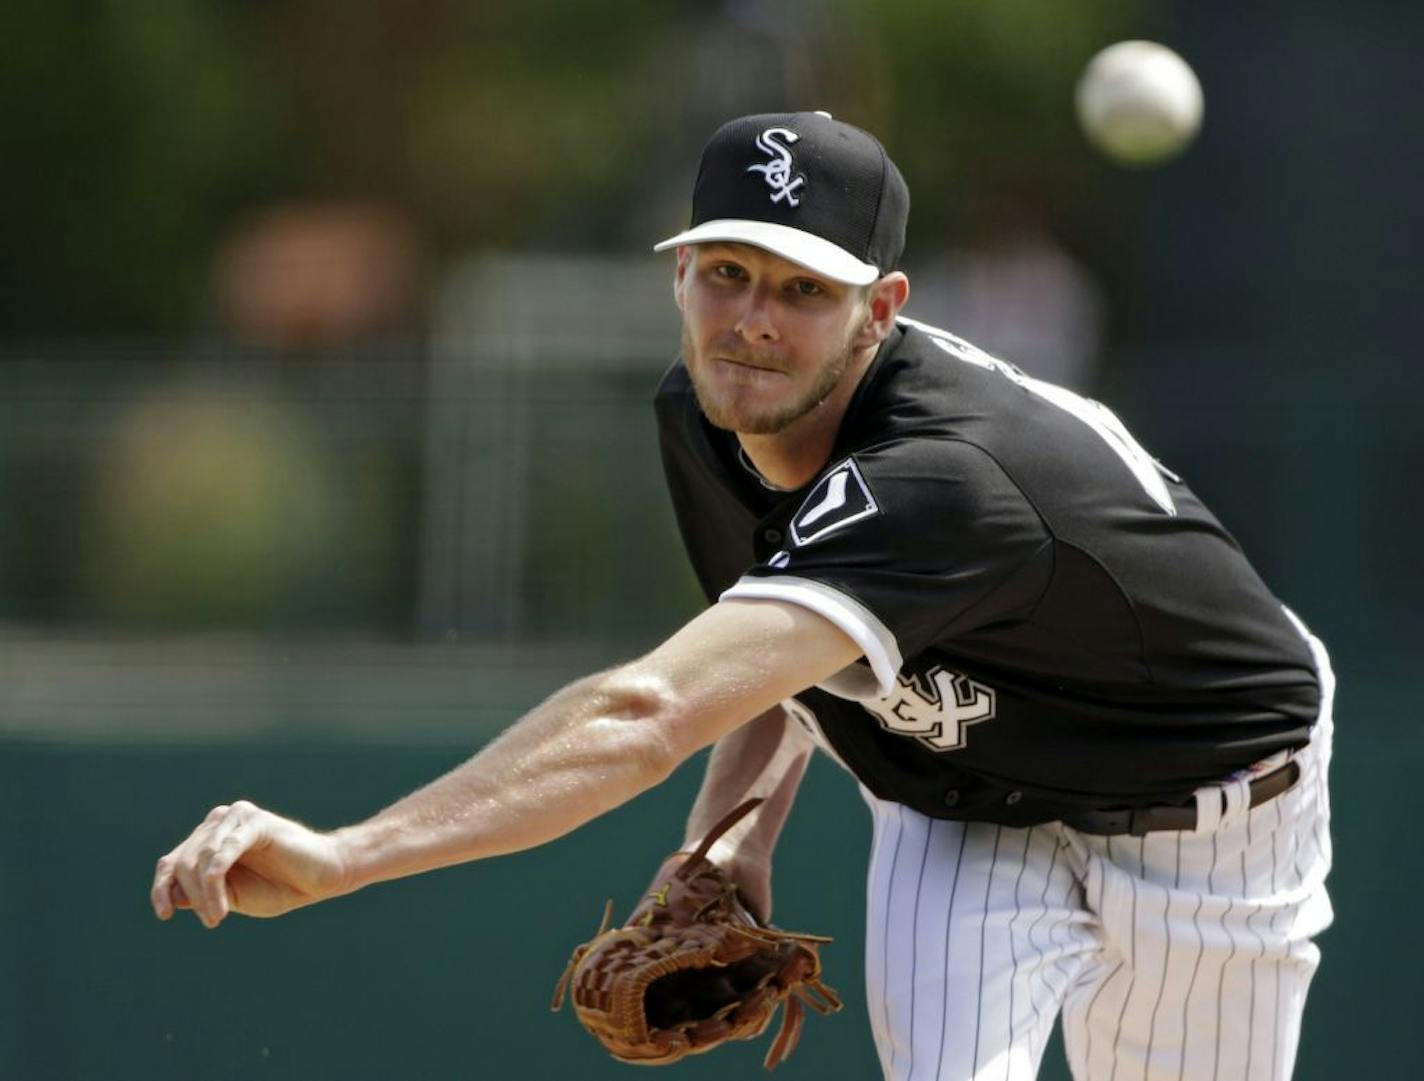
1050,620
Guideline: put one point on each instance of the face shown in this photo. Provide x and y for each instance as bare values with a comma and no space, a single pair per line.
764,339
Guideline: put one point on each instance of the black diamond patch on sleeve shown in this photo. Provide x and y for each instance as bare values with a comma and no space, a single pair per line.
839,498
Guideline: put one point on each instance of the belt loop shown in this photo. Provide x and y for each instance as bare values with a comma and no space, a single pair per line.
1236,794
1210,803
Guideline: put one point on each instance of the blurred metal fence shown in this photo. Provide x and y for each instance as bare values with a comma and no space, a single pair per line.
204,539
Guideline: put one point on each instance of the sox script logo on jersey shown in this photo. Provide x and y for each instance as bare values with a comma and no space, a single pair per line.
935,708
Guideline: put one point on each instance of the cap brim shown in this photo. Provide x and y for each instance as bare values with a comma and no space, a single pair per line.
806,249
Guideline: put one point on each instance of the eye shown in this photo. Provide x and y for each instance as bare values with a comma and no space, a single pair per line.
730,271
805,287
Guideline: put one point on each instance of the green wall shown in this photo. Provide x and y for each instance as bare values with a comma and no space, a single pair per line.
449,975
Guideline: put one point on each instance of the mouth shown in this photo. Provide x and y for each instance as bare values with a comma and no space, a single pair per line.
732,373
747,365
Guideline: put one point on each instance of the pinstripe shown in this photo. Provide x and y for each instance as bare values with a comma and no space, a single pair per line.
1042,970
1296,847
1191,985
1276,969
1131,956
1059,964
885,953
1255,961
1221,972
983,937
948,923
1088,1015
1131,981
914,935
1310,788
873,892
1299,882
1321,842
1167,958
1013,950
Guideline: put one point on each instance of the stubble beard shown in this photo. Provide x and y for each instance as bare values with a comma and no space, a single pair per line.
771,420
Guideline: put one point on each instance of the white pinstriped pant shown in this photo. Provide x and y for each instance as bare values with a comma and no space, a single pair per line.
1179,956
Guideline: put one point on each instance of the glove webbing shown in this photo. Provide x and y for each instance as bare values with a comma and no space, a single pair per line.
808,991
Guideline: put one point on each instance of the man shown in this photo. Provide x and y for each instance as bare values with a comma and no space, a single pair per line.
1093,745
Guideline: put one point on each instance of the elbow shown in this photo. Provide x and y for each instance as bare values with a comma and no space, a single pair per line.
653,724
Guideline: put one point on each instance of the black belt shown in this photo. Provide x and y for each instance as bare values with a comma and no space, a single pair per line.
1138,821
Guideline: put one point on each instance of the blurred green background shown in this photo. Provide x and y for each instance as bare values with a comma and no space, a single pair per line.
327,336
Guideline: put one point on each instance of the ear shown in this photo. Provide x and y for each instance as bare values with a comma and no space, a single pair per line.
679,275
887,296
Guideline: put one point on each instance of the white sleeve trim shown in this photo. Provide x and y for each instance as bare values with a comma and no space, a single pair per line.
847,613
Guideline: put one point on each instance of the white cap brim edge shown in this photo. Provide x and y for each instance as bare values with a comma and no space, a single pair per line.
806,249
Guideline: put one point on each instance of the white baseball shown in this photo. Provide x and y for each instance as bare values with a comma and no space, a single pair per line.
1139,103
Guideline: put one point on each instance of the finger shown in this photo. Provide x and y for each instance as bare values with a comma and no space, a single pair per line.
185,883
192,859
232,839
160,895
167,893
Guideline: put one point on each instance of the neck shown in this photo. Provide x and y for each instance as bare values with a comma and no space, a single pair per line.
791,457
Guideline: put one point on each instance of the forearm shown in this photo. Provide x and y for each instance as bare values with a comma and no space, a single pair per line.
591,747
765,758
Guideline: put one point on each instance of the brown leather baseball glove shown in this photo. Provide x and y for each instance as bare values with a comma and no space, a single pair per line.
692,968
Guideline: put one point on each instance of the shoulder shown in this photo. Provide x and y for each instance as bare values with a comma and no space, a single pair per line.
934,501
934,477
930,383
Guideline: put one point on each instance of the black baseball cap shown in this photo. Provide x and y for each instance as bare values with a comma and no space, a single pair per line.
805,186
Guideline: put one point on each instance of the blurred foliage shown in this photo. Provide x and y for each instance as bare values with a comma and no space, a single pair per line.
122,126
212,512
159,492
138,136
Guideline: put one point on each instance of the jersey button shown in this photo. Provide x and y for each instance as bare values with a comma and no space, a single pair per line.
951,797
1013,797
772,536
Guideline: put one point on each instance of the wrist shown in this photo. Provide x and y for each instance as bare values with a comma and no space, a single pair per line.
356,851
726,854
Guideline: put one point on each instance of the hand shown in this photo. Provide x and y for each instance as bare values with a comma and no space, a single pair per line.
752,876
247,860
753,881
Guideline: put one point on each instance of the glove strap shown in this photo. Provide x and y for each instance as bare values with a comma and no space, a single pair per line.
563,986
730,819
793,1016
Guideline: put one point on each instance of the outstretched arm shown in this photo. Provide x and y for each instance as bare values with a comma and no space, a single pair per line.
589,748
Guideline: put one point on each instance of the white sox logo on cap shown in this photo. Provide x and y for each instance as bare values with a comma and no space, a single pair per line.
778,170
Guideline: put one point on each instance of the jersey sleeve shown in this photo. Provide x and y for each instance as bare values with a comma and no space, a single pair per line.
905,546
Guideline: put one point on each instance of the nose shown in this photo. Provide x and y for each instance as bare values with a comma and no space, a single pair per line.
755,323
